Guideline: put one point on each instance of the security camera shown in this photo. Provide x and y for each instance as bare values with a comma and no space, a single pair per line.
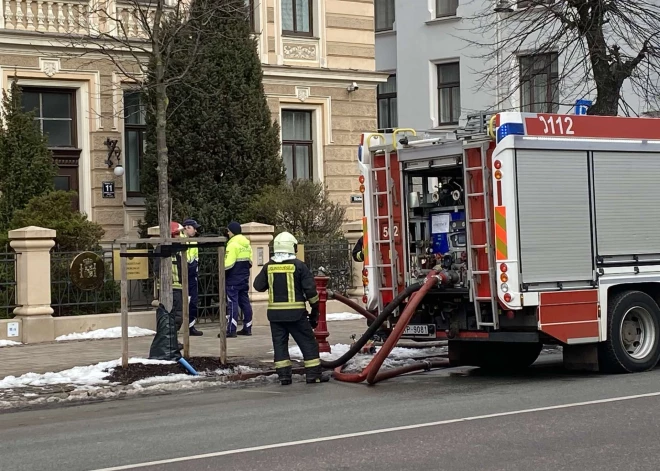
352,87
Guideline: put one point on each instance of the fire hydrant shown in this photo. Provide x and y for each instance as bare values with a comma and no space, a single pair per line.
321,332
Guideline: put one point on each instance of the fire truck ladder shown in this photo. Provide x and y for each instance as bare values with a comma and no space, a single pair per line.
380,265
474,271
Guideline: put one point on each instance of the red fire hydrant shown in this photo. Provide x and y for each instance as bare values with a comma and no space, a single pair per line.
321,332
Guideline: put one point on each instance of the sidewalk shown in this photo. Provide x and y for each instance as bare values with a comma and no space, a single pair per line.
57,356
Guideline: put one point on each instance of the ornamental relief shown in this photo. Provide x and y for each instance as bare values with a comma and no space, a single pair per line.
300,51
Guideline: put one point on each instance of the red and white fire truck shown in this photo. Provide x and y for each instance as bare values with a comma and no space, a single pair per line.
552,223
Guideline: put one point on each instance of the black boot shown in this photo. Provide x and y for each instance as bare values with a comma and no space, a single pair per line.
315,374
244,332
195,333
285,375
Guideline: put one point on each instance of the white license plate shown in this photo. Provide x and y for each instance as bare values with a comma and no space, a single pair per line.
416,330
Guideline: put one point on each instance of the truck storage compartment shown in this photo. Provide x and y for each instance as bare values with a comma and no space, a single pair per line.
627,199
554,216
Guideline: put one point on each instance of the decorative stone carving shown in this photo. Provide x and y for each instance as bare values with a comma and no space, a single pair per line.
300,51
49,66
302,93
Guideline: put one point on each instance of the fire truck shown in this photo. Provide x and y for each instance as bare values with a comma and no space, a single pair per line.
549,224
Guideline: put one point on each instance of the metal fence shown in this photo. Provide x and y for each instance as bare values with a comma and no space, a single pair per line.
7,284
68,300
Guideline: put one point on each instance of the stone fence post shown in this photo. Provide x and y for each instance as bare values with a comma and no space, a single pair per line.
352,232
32,246
260,237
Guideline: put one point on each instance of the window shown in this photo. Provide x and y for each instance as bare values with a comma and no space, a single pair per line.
297,144
539,83
250,5
53,113
134,139
449,93
55,116
297,17
444,8
387,110
384,12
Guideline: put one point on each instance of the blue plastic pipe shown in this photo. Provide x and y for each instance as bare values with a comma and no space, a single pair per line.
187,366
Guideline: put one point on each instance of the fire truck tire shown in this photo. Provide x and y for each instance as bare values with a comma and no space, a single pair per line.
633,334
494,357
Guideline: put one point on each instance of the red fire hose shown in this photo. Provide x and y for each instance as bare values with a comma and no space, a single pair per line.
352,304
370,373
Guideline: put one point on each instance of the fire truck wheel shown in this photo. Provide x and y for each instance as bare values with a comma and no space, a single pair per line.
633,334
494,357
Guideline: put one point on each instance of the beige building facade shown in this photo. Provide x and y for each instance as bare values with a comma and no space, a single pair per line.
319,75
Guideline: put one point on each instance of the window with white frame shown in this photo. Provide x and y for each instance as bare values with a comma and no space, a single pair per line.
297,17
297,144
539,83
445,8
449,93
384,15
387,106
135,127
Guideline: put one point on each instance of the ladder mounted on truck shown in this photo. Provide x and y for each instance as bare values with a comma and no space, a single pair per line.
477,178
376,217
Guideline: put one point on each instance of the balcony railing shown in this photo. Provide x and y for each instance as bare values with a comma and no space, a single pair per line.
78,17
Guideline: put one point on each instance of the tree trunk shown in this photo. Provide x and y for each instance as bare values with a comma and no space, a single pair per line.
606,104
163,190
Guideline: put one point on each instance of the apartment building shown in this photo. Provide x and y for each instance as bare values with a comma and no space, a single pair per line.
435,69
319,65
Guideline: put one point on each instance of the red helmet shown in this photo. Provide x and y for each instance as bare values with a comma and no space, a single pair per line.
175,228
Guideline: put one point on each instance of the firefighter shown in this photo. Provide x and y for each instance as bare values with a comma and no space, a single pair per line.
238,263
190,228
358,253
290,283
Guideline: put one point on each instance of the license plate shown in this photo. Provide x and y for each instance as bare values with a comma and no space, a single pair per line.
416,330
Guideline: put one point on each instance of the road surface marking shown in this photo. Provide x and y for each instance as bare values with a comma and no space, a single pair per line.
375,432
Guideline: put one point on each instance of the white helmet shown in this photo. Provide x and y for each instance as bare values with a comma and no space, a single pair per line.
285,243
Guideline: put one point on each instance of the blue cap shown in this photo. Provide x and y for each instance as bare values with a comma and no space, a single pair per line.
192,223
234,227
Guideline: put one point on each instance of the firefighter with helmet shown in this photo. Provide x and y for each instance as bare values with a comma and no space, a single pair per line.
290,284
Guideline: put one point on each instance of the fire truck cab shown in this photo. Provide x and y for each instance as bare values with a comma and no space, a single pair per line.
551,224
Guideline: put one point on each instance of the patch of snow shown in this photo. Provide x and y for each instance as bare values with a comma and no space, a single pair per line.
344,316
90,375
9,343
111,333
164,379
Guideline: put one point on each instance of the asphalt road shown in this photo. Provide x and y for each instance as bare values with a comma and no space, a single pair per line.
548,419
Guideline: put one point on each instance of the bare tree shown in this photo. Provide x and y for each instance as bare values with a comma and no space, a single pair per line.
593,46
155,44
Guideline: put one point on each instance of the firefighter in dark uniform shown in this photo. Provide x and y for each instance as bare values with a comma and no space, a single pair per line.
290,284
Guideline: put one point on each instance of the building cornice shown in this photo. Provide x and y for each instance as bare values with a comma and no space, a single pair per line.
309,74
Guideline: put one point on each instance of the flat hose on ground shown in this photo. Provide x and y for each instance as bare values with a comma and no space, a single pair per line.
352,304
371,330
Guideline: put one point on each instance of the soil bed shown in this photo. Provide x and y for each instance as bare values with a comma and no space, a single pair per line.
205,366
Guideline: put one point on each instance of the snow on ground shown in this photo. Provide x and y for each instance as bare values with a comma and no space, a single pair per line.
9,343
111,333
344,316
79,375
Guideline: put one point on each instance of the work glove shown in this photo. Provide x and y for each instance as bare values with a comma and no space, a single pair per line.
314,317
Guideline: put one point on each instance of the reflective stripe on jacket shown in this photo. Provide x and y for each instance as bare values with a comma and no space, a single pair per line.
238,261
290,284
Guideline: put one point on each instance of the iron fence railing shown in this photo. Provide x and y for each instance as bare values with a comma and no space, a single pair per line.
7,284
335,257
